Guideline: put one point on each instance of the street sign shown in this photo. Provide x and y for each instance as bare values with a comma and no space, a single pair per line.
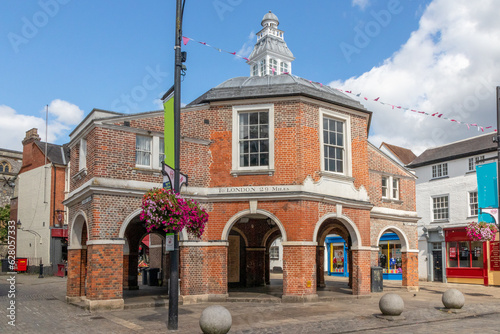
169,242
168,177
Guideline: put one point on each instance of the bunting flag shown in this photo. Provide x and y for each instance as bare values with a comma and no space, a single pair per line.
436,114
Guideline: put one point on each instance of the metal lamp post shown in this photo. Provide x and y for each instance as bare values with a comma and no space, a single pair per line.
173,300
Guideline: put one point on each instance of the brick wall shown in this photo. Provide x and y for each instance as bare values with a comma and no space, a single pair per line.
410,269
299,270
105,272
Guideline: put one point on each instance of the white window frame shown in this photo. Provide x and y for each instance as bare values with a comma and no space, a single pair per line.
386,188
273,63
284,67
395,188
236,168
82,160
154,154
347,140
390,187
439,170
473,162
471,204
433,214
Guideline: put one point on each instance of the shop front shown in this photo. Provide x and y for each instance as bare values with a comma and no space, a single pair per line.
389,257
337,256
466,260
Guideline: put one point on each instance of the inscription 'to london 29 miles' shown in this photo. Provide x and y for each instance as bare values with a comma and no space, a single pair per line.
258,189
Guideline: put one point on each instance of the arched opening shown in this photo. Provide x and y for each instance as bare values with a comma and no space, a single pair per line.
77,258
345,233
250,236
145,260
392,245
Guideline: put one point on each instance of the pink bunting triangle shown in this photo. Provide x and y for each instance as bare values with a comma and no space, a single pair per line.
185,40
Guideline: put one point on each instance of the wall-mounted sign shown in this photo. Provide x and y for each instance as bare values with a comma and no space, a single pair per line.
169,242
495,256
453,252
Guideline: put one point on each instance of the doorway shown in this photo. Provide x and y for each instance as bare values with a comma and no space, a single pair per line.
437,264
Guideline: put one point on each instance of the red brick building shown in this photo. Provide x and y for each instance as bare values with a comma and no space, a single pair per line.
268,156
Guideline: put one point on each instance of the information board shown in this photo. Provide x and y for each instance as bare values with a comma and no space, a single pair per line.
495,256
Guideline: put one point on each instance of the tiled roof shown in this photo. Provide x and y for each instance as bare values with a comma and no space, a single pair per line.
405,155
459,149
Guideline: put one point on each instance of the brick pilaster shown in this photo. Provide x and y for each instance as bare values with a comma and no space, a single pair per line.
105,271
360,272
299,270
74,273
410,269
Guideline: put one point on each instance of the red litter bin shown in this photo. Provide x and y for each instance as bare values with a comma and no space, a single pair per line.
21,264
61,268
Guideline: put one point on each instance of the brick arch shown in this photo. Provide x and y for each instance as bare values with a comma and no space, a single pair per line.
76,236
183,235
234,219
400,234
268,235
348,224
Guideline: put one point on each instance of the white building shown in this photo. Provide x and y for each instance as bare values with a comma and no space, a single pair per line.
446,202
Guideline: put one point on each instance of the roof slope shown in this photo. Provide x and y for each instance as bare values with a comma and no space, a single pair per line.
405,155
57,154
459,149
274,86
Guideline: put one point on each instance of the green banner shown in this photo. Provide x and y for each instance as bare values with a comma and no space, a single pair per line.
169,133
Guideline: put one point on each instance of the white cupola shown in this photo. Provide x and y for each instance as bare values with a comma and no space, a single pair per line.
270,55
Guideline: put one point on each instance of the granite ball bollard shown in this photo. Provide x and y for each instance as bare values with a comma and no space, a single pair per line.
453,299
391,304
215,319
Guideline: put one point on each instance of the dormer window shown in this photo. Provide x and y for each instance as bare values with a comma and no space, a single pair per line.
283,67
263,69
273,64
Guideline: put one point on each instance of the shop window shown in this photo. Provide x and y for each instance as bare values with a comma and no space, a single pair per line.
390,258
452,251
465,254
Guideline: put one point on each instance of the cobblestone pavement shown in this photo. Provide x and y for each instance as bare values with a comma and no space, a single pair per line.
41,308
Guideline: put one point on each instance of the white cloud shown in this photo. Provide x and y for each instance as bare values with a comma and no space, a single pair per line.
13,125
360,3
449,65
67,113
247,47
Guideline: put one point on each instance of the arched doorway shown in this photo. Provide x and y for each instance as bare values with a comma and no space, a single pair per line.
400,261
147,249
77,258
249,237
342,226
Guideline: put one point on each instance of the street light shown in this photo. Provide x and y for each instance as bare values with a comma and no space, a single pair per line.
19,227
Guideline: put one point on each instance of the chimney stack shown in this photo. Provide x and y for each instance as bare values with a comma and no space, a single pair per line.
31,136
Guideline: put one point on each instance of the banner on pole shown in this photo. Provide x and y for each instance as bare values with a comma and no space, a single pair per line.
487,191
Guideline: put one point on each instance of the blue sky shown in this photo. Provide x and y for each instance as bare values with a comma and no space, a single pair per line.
118,55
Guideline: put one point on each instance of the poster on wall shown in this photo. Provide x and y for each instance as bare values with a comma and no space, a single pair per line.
495,256
453,252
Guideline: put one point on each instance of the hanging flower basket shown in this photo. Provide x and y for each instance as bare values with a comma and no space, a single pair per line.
481,231
165,210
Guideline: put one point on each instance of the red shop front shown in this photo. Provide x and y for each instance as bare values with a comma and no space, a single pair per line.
466,260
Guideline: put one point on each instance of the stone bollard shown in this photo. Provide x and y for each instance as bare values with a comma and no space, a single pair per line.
215,319
391,304
453,299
